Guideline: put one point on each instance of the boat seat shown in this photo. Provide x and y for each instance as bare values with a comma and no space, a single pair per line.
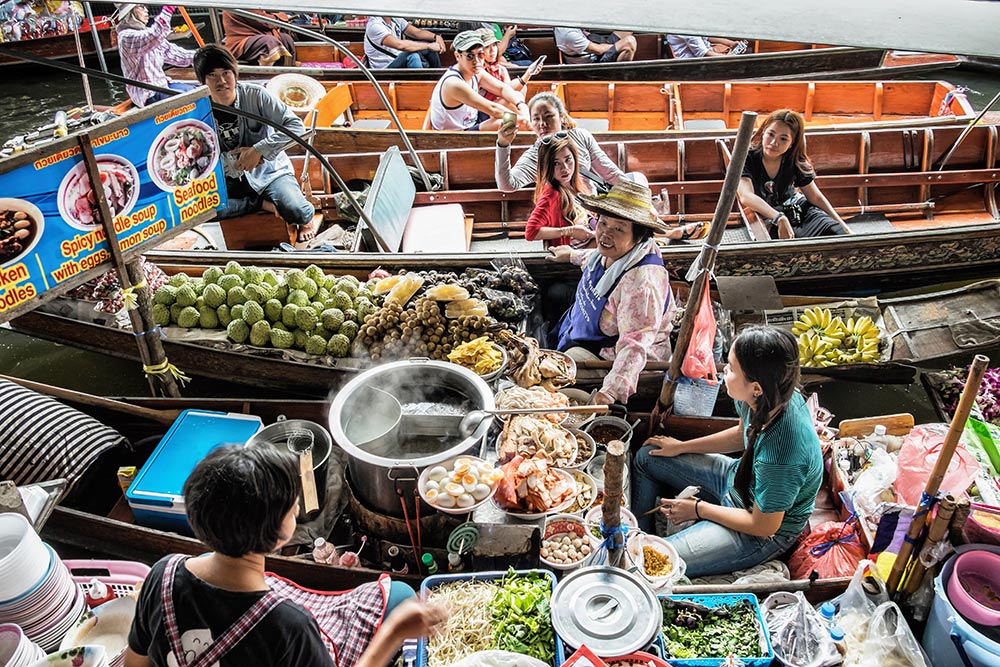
372,124
705,124
336,103
593,124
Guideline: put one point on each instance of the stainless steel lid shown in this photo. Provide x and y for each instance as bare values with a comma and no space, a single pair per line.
611,611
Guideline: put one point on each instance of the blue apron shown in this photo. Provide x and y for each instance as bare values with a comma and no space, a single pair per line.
580,326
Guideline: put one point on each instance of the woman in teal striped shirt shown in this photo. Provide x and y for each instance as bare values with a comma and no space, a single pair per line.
750,509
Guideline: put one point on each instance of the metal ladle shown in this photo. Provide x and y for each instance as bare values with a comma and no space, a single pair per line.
471,421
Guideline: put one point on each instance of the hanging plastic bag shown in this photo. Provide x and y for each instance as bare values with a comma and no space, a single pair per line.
831,550
889,643
857,604
918,456
875,483
699,362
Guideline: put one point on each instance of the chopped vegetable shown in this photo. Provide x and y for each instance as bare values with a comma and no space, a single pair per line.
693,631
521,615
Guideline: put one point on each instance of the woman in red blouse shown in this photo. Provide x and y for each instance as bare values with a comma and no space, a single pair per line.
557,218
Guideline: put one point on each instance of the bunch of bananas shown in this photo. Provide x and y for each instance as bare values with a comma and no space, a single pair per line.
825,340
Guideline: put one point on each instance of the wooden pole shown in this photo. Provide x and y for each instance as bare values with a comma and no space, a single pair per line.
706,261
962,510
147,338
611,515
936,533
972,383
191,26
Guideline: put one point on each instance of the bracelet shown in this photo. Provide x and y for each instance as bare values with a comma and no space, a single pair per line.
520,78
696,501
773,221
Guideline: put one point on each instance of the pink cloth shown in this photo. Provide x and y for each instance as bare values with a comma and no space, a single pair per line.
635,313
144,52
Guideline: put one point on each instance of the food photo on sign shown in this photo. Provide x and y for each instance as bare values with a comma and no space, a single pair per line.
158,172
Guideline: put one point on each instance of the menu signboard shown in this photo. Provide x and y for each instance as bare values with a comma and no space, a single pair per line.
161,174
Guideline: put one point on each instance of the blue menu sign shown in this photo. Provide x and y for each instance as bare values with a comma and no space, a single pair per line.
161,174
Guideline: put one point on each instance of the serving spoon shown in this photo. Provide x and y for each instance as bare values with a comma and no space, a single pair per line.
471,421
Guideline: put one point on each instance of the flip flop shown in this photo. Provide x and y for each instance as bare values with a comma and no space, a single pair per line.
694,230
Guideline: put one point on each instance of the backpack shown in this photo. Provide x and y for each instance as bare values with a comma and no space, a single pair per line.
517,50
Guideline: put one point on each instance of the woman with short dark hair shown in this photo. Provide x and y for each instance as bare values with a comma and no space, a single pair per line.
749,509
219,609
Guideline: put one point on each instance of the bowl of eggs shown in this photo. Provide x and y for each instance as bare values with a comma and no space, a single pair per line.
459,485
565,543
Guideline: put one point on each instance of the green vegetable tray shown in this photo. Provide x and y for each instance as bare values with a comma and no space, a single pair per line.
718,601
437,580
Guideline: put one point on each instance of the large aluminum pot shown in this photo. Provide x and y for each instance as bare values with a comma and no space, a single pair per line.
276,436
388,451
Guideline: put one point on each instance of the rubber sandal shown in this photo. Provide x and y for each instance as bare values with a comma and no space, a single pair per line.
694,230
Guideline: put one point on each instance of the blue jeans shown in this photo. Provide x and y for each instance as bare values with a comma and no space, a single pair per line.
179,86
706,547
416,59
283,192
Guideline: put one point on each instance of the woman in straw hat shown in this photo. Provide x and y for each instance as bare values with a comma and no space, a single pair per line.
623,305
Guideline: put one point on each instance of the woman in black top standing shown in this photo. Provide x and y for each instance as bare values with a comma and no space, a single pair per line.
777,169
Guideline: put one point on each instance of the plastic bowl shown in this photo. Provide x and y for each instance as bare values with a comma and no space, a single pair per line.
593,520
560,524
106,625
24,560
582,458
635,548
974,587
427,475
78,656
582,479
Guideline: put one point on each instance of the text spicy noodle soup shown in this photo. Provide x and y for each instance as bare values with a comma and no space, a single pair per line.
20,227
183,152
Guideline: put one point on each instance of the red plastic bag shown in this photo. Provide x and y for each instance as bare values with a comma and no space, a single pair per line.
832,550
699,362
917,458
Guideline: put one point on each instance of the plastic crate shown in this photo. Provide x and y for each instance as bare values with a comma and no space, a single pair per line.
718,601
437,580
121,576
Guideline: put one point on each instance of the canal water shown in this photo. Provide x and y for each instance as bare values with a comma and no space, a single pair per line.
32,97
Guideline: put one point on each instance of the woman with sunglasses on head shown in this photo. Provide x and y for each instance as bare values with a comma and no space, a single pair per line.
753,507
548,116
557,218
623,307
778,166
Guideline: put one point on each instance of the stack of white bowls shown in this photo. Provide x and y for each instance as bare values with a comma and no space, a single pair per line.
36,590
16,650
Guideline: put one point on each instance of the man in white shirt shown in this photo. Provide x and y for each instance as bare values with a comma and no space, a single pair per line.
695,46
456,102
580,46
392,42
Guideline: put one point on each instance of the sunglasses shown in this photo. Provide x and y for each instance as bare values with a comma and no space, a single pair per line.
472,57
549,138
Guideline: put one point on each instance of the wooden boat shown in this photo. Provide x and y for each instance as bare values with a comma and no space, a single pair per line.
620,111
61,46
120,537
937,225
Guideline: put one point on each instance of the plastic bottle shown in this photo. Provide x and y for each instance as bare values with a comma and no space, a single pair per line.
323,551
741,47
877,438
98,593
828,611
837,635
396,561
429,563
455,563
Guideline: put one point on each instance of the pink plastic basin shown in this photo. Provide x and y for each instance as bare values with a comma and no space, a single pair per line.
974,587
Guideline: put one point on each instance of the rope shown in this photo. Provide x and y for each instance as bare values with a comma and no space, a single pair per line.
166,367
130,300
821,548
157,330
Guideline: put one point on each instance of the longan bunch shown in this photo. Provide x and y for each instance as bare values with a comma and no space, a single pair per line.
468,327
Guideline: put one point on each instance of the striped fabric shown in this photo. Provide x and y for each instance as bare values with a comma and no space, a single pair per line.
42,439
347,619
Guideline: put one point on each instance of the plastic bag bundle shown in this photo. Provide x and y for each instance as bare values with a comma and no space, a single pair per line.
798,635
831,550
699,362
889,643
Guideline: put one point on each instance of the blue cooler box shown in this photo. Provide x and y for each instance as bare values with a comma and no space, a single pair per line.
156,494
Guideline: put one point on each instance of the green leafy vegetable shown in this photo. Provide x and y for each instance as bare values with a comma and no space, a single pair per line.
522,618
693,631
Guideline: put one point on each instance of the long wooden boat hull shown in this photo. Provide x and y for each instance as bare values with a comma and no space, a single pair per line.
619,111
121,539
59,46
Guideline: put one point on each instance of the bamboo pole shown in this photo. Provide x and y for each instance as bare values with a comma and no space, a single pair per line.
611,515
969,393
706,263
936,533
962,510
129,274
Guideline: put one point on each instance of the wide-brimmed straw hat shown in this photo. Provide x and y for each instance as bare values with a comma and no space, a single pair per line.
300,92
122,10
627,200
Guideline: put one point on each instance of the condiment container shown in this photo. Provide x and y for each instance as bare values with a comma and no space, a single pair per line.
612,611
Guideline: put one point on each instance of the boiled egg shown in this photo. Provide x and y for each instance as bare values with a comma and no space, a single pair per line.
437,473
469,482
481,492
444,500
431,484
453,489
430,495
465,500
